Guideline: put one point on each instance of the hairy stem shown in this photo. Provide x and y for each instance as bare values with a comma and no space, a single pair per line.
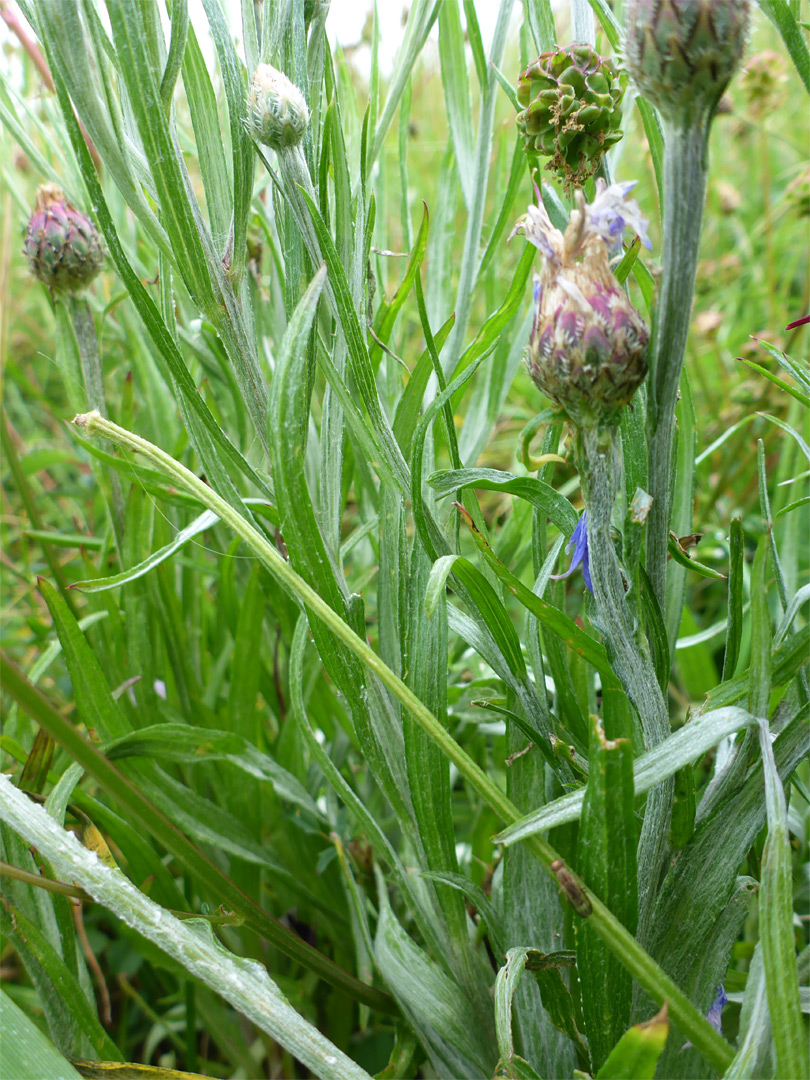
684,195
600,470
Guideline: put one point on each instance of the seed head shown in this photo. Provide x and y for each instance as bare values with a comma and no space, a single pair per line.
763,83
277,112
571,101
681,54
588,345
62,246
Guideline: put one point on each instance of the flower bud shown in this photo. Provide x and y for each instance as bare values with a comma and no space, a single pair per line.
277,112
682,53
588,345
571,102
62,246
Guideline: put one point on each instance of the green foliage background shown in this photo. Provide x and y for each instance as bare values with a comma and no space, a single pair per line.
312,804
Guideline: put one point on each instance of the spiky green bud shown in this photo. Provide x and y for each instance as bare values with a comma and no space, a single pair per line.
571,110
588,345
62,246
681,54
277,112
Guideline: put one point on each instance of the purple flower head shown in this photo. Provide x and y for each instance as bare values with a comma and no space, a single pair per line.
715,1013
579,542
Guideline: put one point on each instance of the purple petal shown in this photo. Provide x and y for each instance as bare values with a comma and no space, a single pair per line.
579,542
715,1013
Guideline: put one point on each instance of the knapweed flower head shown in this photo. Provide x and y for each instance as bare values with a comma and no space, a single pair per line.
579,542
681,54
588,345
571,110
277,112
62,246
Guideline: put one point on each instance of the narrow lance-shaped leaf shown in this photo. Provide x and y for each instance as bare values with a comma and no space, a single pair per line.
735,598
606,857
776,924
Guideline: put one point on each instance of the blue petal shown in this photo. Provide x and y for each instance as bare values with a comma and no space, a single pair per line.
715,1013
579,542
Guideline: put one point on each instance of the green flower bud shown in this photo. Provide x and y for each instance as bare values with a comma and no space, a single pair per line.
277,112
62,246
588,345
571,102
682,53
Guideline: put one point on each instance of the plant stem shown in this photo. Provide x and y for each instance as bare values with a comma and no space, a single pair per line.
644,969
684,195
85,330
600,470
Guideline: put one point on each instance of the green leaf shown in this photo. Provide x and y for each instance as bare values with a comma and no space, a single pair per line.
803,398
540,16
786,659
242,982
542,496
557,1000
736,588
606,857
241,147
387,313
34,946
442,1017
680,557
759,691
27,1053
207,436
636,1054
686,745
453,59
422,15
480,901
194,745
506,984
358,350
755,1025
703,879
776,925
780,14
158,825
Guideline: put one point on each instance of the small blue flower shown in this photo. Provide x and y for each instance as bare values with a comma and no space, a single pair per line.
715,1013
579,542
